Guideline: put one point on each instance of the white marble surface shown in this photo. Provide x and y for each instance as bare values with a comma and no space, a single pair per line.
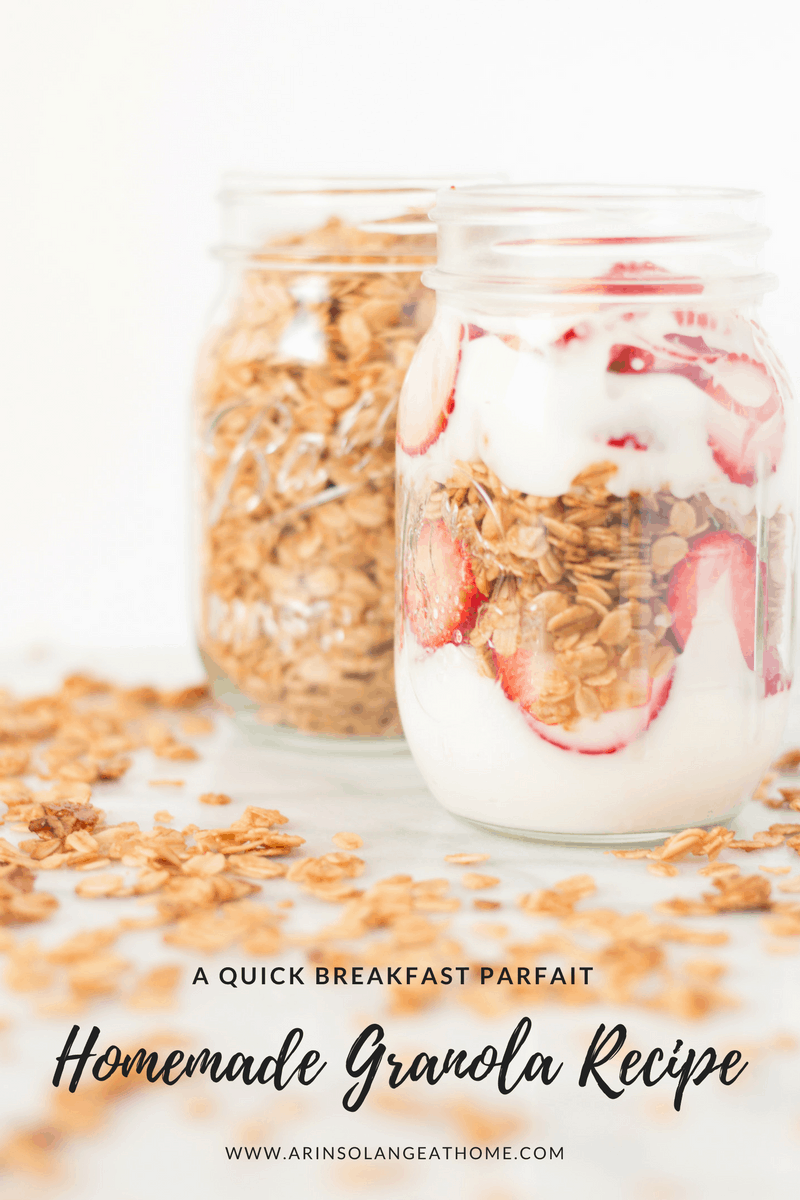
726,1142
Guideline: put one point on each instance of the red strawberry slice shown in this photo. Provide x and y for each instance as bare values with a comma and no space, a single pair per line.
637,278
627,440
710,557
439,589
429,390
692,348
577,333
705,564
746,423
775,677
521,675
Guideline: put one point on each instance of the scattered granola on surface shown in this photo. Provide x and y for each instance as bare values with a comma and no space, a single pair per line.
202,882
466,860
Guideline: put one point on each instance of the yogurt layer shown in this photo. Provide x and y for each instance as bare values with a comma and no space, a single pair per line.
699,759
538,412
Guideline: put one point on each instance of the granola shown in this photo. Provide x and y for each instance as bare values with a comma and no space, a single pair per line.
297,396
581,581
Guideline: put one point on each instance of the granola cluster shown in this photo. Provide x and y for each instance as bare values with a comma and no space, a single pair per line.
581,579
297,400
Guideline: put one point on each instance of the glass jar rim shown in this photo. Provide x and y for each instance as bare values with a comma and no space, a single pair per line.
610,240
261,213
241,183
518,198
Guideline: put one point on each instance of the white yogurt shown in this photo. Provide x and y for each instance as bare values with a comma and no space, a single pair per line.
540,414
698,761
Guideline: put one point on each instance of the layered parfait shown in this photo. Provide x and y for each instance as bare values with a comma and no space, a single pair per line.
596,538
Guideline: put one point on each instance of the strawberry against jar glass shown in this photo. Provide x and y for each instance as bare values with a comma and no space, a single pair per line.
597,498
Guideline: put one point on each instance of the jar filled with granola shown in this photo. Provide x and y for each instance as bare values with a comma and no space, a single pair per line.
321,311
597,494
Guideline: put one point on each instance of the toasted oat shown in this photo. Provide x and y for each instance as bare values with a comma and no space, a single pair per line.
789,761
14,760
682,518
156,989
560,900
205,864
486,905
215,798
759,841
790,796
163,816
18,901
185,697
195,725
775,870
255,866
783,924
735,893
745,893
705,968
100,886
662,868
166,782
347,841
491,929
477,882
466,860
667,551
697,842
96,975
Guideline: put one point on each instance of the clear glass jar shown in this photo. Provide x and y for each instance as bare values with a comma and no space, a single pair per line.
321,311
597,500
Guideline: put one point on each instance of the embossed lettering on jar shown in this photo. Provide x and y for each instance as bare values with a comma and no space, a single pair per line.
597,487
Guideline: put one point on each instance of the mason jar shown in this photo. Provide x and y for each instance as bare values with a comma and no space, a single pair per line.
597,500
321,310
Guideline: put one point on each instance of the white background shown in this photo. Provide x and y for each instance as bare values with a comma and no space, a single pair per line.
118,119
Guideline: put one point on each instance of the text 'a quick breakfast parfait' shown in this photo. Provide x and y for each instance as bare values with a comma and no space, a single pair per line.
596,513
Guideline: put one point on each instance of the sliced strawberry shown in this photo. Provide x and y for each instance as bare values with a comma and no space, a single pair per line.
627,440
746,423
710,557
439,589
429,390
577,332
701,320
776,678
521,675
708,560
637,278
692,348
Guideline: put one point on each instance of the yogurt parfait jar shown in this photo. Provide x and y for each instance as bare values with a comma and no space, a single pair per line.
596,498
